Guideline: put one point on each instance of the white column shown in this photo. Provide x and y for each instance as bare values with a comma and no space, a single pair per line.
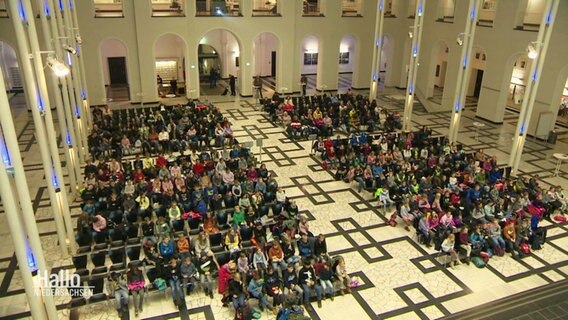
541,48
64,19
76,37
69,97
377,50
47,142
66,129
41,307
464,68
413,64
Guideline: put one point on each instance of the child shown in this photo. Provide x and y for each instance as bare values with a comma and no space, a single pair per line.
259,261
325,280
243,265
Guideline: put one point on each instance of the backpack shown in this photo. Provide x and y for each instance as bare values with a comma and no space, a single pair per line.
524,247
160,284
484,256
499,251
392,221
478,262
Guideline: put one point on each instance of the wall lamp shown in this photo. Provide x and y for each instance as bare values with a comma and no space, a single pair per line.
57,67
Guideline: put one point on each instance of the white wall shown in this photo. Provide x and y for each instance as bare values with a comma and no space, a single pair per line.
171,47
112,48
262,49
8,60
310,44
347,44
442,57
535,10
228,49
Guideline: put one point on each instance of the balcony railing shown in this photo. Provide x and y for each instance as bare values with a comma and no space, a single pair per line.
268,9
218,8
109,10
167,8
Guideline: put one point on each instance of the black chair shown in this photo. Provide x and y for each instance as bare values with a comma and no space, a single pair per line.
216,241
133,253
99,254
77,302
276,209
223,257
177,225
263,211
80,260
99,237
117,255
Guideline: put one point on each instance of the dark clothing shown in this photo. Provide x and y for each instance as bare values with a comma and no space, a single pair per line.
232,82
289,278
305,274
325,274
320,248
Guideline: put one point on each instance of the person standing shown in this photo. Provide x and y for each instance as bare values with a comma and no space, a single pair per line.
257,83
232,81
213,78
304,82
173,85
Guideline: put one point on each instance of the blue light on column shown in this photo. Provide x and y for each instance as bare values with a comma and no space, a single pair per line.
68,138
54,180
22,11
464,62
522,131
69,60
77,114
375,76
381,6
61,5
70,4
83,94
78,50
420,9
46,8
458,106
410,90
415,52
5,154
548,18
378,41
32,264
534,76
472,14
40,103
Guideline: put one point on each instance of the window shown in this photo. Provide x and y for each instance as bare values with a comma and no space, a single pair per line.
487,13
218,8
344,58
310,59
530,16
265,8
446,9
351,8
167,8
312,8
3,9
108,9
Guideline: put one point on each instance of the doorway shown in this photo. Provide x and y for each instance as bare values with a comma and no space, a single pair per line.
273,64
117,71
478,81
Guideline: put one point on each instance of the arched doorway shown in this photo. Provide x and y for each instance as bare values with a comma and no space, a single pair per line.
114,56
385,65
265,61
521,65
170,65
218,60
440,54
10,68
309,62
346,63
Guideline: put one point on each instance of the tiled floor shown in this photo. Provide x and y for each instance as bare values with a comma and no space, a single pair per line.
400,279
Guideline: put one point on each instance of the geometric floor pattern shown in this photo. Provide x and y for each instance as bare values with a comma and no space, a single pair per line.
400,279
